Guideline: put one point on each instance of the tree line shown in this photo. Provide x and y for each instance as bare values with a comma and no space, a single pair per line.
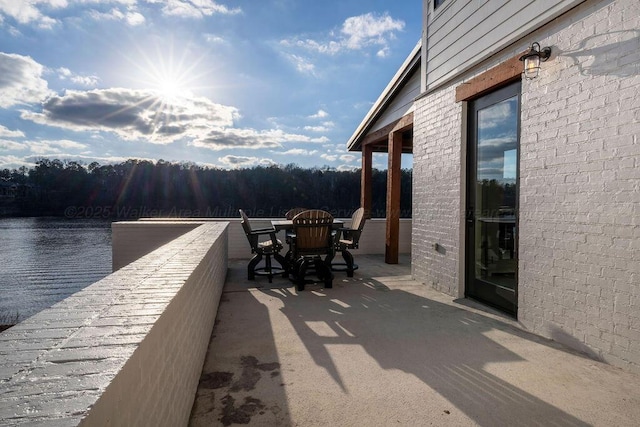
142,188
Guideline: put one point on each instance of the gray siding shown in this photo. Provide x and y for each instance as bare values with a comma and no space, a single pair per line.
401,104
461,33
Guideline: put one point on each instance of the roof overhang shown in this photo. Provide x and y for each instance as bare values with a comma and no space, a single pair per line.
377,139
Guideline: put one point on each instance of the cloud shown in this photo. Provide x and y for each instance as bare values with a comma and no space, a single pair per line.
194,8
316,128
347,168
497,115
214,39
133,114
323,127
14,162
348,158
298,152
369,29
329,157
384,52
302,64
66,74
33,11
52,147
231,138
321,114
8,133
11,145
148,116
131,16
330,47
244,162
357,33
25,12
494,154
21,80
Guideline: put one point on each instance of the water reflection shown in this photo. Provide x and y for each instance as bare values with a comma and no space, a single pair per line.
44,260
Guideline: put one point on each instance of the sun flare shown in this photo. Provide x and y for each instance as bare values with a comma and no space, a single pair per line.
169,75
170,88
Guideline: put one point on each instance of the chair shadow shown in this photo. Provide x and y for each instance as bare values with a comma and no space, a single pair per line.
442,345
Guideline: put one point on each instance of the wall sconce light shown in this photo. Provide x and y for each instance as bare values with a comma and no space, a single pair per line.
532,60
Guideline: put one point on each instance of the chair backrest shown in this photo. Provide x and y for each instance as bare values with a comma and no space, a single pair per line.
352,235
313,232
246,225
357,219
293,212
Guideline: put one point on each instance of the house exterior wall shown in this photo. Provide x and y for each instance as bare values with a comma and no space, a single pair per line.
437,186
579,217
461,33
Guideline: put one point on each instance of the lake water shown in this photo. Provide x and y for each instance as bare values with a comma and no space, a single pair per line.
44,260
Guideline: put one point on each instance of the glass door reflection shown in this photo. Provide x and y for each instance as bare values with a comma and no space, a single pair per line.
492,258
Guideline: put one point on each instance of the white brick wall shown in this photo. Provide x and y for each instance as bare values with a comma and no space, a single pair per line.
580,185
437,172
579,269
132,239
125,351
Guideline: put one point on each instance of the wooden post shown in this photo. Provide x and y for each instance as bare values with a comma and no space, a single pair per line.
365,180
393,198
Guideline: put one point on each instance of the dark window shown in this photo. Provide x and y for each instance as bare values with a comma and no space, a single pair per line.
437,3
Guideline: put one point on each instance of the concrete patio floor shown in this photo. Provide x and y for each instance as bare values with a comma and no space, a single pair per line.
380,349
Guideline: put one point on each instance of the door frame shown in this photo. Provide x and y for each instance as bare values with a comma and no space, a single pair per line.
510,89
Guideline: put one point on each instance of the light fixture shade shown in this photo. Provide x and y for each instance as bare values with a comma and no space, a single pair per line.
532,67
533,58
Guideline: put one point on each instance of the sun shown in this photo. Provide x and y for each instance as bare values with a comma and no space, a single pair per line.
170,88
170,76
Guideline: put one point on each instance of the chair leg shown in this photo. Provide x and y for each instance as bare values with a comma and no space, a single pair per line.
328,279
348,265
348,259
268,269
251,268
318,265
301,271
283,262
330,256
323,271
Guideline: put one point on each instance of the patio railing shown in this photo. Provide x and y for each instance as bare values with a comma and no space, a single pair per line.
126,350
132,239
129,349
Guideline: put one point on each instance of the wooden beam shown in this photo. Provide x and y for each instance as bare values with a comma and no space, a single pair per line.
379,139
404,123
504,73
366,179
393,198
380,135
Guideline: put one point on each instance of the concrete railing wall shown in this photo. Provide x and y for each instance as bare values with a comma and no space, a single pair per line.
136,239
127,350
132,239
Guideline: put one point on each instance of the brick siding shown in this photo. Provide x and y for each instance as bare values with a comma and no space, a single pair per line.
127,350
579,229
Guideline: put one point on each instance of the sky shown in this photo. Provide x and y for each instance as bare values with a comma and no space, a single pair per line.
225,83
